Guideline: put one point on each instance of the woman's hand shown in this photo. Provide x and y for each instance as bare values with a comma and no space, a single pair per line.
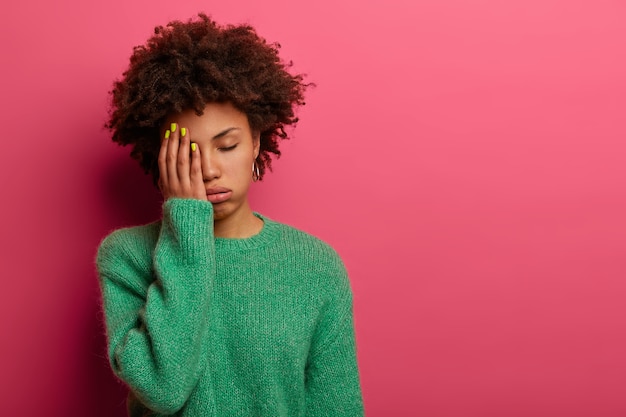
180,173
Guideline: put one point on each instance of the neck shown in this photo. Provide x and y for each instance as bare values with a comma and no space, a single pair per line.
238,225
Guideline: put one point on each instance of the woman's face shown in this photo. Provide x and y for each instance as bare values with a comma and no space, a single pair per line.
228,149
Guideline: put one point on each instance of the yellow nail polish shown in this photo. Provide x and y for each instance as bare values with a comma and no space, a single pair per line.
167,134
183,131
173,127
193,145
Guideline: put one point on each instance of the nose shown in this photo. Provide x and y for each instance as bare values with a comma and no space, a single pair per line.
210,166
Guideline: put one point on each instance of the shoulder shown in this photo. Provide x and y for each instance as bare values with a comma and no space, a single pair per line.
313,246
313,257
129,245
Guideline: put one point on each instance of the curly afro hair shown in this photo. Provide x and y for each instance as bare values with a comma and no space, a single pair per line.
186,65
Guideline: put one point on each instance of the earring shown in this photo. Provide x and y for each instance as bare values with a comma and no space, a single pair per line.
255,172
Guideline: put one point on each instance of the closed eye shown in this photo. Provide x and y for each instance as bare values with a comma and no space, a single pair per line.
230,148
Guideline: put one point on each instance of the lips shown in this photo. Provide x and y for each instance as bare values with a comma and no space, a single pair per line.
218,194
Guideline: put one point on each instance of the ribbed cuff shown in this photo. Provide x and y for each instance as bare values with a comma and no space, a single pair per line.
189,222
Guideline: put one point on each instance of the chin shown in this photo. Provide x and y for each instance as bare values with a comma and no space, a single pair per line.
220,212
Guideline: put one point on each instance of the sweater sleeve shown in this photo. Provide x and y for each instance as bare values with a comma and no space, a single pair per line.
331,375
156,301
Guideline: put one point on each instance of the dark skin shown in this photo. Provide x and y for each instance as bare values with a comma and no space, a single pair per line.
180,173
212,161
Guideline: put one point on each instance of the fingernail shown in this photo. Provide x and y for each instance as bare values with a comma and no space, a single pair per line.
193,145
173,127
183,131
167,134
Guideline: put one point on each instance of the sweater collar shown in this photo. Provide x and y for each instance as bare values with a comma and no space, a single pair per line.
268,234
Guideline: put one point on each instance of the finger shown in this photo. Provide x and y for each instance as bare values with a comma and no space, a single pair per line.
172,157
184,150
162,161
197,182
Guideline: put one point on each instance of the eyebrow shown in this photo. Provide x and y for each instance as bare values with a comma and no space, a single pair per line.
225,132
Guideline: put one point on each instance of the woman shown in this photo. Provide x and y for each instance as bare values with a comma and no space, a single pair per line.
216,310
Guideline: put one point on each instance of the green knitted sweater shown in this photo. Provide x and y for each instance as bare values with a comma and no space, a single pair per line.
205,326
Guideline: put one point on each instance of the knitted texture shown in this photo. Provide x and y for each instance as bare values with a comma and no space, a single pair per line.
205,326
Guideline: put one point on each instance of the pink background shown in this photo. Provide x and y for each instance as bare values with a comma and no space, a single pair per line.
466,159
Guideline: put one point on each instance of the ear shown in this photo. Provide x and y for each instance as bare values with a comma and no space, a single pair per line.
256,143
